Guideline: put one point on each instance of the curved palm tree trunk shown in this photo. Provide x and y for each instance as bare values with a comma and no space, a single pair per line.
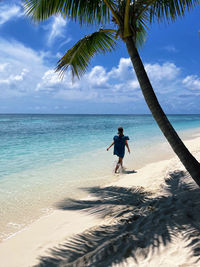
190,163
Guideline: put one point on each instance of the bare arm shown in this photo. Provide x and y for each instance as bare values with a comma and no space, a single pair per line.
126,143
110,146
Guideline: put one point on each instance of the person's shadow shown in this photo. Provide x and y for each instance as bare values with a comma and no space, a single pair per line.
124,171
140,223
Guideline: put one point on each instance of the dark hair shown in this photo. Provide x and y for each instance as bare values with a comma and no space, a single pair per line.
120,130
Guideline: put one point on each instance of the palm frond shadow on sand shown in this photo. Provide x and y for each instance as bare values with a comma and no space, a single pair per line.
141,223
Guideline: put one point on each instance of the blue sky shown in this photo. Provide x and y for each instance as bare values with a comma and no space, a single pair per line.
29,53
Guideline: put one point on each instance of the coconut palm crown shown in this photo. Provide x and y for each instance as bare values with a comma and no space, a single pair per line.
130,20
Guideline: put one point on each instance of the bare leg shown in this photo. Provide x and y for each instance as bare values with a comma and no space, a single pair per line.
118,164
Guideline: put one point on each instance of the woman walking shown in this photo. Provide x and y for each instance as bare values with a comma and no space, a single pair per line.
120,141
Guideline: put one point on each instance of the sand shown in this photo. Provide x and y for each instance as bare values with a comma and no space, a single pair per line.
147,218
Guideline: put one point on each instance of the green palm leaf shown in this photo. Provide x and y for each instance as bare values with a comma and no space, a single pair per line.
79,55
168,10
86,12
140,34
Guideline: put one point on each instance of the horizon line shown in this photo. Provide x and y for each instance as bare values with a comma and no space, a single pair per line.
95,114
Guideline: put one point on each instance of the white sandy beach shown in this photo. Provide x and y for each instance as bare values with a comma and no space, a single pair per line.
167,235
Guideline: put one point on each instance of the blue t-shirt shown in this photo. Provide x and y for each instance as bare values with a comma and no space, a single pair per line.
119,145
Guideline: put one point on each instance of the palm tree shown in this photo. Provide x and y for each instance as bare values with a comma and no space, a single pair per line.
131,19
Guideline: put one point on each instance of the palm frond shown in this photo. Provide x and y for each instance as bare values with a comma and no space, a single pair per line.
140,35
79,55
85,12
170,10
114,10
111,201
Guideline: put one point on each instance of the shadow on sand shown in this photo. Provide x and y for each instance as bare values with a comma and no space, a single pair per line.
141,223
128,172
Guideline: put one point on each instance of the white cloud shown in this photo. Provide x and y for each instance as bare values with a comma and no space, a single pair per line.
65,42
58,26
166,71
170,48
192,82
8,12
51,82
134,84
120,82
93,84
21,68
3,66
25,73
123,71
77,94
97,76
159,74
14,78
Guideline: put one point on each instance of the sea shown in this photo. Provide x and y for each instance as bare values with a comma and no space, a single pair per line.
47,158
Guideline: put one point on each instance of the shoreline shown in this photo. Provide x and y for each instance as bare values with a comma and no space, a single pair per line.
38,200
53,229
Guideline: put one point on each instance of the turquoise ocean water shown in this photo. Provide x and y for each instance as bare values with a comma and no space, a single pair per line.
45,158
